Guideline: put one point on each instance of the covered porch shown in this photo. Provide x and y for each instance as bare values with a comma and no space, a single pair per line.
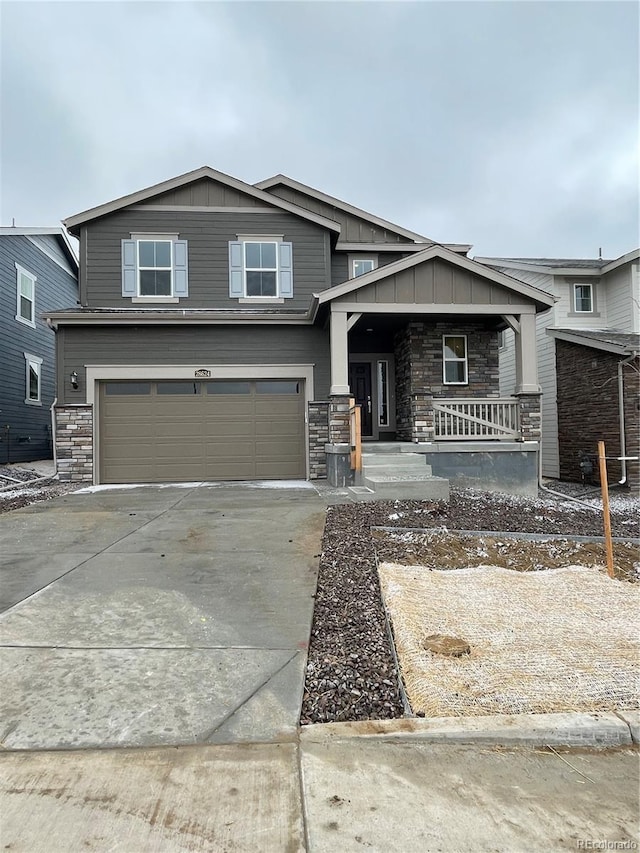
414,347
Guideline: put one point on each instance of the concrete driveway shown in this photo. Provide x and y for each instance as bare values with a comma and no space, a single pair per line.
157,615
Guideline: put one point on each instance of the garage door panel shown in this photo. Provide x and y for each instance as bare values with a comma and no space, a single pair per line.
227,430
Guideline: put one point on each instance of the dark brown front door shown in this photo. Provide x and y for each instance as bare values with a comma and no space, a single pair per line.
360,384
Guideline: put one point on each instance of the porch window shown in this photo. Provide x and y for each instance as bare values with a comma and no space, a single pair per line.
383,393
454,357
582,298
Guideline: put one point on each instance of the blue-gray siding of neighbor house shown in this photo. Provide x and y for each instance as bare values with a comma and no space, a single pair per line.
25,428
208,235
205,346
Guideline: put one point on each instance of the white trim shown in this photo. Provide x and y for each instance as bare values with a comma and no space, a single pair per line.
154,235
574,337
38,362
101,372
260,238
20,270
155,300
261,300
455,360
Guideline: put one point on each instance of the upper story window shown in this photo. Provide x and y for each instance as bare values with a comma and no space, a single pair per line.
154,268
260,268
25,297
583,298
360,266
455,367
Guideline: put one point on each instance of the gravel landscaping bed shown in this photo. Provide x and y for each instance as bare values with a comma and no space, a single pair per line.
18,487
351,669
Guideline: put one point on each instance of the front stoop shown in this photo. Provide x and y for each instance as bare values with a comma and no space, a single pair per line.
391,472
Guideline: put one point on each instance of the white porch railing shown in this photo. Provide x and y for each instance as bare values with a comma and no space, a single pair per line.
476,419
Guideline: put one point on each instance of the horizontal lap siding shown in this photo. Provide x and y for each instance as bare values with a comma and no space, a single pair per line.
55,288
192,344
208,236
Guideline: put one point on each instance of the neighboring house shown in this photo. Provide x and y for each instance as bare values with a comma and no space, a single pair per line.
38,272
587,345
223,327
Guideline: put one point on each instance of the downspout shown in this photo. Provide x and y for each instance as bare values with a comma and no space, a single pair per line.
53,415
623,440
558,494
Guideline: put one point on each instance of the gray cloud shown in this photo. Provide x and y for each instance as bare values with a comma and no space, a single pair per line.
511,125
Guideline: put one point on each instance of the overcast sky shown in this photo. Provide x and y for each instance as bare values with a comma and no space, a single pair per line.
509,125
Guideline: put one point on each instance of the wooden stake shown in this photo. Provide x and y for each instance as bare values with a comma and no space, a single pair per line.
602,459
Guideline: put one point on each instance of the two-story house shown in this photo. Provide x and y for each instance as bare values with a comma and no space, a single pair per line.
223,328
588,346
38,273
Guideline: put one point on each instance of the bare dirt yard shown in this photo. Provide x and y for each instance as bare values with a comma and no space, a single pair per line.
352,672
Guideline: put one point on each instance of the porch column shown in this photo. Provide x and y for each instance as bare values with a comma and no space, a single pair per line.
339,353
526,356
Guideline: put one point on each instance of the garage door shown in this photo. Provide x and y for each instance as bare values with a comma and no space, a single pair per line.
182,431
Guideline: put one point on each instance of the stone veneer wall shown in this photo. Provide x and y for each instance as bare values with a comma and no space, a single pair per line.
74,442
418,357
318,437
588,411
530,416
339,428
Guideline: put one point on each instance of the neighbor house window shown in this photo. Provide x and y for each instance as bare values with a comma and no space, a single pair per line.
33,366
582,298
154,267
360,266
26,297
260,268
454,354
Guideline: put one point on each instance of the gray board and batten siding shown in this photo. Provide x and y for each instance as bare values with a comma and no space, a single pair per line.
353,229
208,235
433,282
206,346
28,436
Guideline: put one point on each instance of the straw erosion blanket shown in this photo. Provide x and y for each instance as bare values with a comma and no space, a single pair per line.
351,671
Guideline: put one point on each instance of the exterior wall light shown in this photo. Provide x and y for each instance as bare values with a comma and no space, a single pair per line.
74,380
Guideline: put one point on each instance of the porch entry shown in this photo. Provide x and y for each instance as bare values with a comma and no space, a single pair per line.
370,381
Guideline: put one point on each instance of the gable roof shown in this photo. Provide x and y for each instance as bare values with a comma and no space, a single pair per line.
542,299
58,233
72,222
276,180
610,340
563,266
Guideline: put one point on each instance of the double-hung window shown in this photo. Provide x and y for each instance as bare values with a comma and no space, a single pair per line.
583,298
260,268
454,357
154,267
25,297
33,366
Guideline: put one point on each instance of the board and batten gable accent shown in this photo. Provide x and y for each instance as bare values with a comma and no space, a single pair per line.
207,236
353,229
206,346
29,433
204,193
433,282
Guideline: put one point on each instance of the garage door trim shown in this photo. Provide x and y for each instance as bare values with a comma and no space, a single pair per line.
100,373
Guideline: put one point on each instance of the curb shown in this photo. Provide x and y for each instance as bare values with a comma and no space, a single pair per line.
601,730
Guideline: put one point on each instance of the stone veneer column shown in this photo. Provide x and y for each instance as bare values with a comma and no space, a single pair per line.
530,417
318,439
422,420
74,442
338,448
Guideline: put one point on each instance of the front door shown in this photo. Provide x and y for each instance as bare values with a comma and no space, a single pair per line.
360,384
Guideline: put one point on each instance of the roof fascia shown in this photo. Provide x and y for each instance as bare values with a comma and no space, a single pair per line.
607,346
634,255
269,183
438,251
189,177
398,247
541,268
74,318
59,233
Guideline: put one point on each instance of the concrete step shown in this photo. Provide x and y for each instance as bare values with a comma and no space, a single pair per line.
393,458
407,486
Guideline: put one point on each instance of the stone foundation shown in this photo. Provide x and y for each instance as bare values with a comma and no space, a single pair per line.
530,417
74,443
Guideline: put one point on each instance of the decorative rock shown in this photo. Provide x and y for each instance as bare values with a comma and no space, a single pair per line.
453,647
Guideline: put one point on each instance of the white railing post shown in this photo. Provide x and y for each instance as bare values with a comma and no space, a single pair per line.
476,419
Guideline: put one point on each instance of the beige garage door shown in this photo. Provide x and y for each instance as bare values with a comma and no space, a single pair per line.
182,431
